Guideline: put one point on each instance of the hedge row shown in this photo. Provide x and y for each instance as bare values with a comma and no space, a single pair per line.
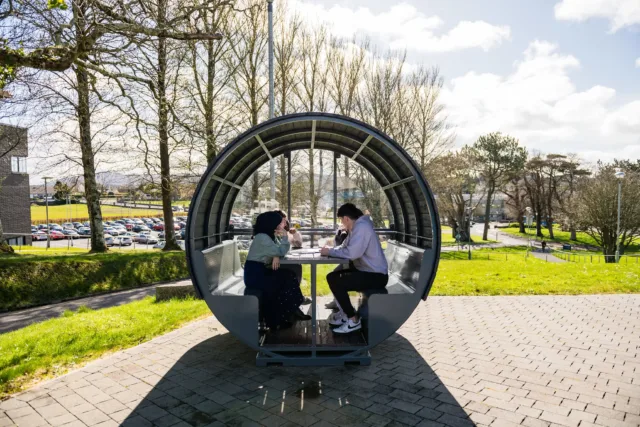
28,281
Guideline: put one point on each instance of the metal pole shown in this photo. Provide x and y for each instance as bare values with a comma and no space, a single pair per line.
289,185
271,94
46,201
336,156
618,240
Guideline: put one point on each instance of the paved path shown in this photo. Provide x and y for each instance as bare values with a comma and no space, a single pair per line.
19,319
459,361
546,257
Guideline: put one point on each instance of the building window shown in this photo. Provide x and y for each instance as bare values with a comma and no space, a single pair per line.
19,164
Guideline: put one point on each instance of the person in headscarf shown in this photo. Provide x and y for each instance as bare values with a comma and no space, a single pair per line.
295,239
281,296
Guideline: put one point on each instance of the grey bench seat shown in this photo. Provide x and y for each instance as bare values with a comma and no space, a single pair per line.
404,273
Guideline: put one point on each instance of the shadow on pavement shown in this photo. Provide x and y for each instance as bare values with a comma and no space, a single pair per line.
217,383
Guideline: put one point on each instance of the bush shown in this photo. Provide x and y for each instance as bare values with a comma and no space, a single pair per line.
28,281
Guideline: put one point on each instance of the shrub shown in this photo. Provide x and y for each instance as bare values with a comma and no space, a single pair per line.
39,280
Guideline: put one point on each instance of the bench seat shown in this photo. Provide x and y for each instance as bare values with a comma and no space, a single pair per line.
404,271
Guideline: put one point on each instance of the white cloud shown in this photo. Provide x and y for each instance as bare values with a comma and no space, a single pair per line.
539,104
638,63
620,13
404,26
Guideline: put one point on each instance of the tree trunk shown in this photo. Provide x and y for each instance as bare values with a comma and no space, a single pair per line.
91,192
539,225
282,186
255,188
312,190
550,226
574,236
347,197
163,135
521,228
487,212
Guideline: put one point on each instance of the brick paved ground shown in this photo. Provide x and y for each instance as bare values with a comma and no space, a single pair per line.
459,361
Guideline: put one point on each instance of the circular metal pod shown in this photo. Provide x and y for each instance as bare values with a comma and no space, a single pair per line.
412,251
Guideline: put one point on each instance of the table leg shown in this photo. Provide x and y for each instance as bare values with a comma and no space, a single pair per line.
313,309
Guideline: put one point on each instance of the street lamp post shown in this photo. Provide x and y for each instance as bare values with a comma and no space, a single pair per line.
46,202
620,176
272,164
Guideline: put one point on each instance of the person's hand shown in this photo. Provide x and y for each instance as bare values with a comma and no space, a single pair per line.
324,251
275,264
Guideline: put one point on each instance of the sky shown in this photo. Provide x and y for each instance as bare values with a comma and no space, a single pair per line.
562,76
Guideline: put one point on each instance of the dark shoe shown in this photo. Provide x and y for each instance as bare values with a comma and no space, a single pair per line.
331,305
301,316
306,301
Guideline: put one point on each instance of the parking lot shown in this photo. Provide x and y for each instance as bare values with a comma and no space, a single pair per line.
123,234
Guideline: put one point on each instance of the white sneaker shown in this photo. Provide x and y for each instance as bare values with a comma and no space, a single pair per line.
348,327
338,319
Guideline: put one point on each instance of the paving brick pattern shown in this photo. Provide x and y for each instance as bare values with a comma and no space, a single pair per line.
458,361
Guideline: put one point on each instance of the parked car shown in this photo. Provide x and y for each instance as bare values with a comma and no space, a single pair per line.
43,227
84,231
243,241
77,225
86,224
177,208
138,221
138,228
161,235
70,232
38,235
155,220
122,241
159,226
34,229
108,239
120,230
55,227
146,239
56,235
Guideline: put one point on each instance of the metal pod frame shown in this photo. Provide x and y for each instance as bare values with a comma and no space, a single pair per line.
413,251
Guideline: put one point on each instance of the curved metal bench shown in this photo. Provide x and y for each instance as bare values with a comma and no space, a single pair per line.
413,253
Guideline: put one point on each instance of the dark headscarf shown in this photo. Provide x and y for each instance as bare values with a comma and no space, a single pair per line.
266,223
284,215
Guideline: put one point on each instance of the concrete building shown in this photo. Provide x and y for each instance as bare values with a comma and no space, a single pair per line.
15,206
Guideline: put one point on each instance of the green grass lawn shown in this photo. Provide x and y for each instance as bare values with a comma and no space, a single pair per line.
52,347
78,212
511,273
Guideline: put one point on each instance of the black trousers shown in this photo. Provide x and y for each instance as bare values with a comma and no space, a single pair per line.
342,282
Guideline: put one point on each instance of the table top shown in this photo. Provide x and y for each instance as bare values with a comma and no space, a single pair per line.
310,256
